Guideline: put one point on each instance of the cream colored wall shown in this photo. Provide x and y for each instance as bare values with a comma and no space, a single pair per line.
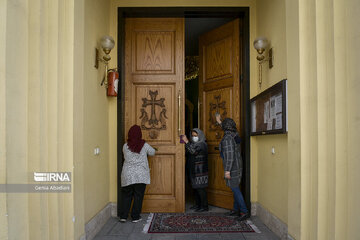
270,173
54,114
323,147
79,53
91,118
36,70
3,199
96,123
294,145
49,90
164,3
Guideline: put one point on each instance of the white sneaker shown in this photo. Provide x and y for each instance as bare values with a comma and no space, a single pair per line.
122,220
136,220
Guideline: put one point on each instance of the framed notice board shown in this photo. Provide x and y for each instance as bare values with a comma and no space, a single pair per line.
269,110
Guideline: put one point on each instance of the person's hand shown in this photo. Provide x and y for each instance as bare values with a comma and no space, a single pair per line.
185,139
227,175
218,118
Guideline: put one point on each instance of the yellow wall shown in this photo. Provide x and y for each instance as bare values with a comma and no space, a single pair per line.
36,70
270,173
78,179
3,200
96,124
324,118
294,145
54,113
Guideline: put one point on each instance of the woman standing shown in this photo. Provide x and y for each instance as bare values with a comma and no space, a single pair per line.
135,174
198,168
230,152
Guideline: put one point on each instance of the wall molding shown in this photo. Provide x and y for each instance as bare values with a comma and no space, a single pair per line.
98,221
270,220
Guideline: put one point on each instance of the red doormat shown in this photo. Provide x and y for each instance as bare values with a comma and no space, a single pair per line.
197,223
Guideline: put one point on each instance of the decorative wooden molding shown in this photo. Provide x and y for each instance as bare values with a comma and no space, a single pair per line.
191,67
215,107
153,134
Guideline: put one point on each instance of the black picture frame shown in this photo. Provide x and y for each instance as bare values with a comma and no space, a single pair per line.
257,106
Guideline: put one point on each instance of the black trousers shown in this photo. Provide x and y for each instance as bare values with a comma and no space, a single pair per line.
128,193
201,197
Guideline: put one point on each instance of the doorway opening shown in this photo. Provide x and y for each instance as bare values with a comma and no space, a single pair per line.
197,21
194,28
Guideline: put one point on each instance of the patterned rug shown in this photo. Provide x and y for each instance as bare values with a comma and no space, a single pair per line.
197,223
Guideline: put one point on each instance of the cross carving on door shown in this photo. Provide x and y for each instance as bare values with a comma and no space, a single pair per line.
216,108
153,121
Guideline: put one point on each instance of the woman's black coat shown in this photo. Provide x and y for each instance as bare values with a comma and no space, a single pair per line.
198,161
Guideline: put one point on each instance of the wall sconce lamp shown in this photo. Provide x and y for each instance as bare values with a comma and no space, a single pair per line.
107,44
260,44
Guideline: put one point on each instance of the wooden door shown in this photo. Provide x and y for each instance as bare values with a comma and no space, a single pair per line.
219,91
154,99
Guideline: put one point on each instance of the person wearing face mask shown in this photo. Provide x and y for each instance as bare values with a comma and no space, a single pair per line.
230,152
197,151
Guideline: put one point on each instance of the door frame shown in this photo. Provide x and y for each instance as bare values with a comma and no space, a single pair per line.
187,12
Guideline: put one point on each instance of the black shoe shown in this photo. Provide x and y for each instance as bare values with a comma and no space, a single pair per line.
195,207
242,217
233,213
202,210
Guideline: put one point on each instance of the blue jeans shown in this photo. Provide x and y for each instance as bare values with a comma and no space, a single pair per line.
239,203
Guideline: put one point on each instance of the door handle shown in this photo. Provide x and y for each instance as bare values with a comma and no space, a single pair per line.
179,113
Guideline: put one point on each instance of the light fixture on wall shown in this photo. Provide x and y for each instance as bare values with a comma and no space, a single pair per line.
260,44
107,44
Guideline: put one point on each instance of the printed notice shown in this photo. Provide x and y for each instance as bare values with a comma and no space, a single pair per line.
269,125
278,123
272,108
266,112
253,116
278,103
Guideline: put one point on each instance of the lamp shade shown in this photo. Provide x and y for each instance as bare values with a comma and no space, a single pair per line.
260,43
107,42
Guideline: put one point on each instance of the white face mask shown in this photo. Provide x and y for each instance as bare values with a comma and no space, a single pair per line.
195,139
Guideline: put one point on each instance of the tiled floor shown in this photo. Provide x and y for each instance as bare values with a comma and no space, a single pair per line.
113,229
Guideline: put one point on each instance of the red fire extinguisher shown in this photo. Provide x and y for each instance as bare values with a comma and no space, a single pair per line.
113,83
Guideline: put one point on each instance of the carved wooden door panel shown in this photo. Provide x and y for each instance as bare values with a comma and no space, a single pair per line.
219,91
154,99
